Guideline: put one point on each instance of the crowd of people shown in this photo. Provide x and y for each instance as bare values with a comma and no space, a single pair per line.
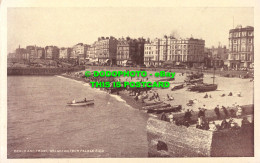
203,122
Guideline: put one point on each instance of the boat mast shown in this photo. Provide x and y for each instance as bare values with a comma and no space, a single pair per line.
214,75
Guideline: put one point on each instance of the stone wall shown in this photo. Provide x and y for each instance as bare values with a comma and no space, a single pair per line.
180,141
41,71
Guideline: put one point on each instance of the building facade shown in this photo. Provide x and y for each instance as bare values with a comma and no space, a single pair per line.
241,47
130,51
215,56
40,52
79,51
139,54
106,49
51,52
189,51
31,50
65,52
21,53
91,52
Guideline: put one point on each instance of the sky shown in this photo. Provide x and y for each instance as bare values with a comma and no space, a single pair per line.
65,27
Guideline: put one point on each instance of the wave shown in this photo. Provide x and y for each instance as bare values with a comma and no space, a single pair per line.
118,98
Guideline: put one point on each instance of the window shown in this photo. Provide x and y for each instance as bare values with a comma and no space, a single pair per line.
235,48
235,41
249,41
250,33
243,48
250,48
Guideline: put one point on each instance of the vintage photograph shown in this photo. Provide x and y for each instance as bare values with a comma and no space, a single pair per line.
130,82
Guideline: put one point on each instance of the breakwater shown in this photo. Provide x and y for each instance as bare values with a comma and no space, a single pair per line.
41,71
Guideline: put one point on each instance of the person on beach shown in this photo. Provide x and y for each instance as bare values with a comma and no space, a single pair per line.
206,96
201,112
169,98
230,94
154,95
244,122
163,117
239,111
224,124
233,124
188,115
198,125
232,113
205,124
186,123
214,127
158,97
225,111
73,101
239,94
171,117
217,112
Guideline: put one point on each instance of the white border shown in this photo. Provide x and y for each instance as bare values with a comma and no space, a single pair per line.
121,3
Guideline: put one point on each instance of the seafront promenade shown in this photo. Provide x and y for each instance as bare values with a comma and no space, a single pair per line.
227,73
40,71
183,96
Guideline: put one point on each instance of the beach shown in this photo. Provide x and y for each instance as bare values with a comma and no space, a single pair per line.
244,87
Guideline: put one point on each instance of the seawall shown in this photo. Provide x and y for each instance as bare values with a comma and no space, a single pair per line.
41,71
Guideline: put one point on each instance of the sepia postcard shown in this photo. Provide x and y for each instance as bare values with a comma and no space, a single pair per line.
129,79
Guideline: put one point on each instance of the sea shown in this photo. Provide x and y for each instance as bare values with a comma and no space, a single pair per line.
41,125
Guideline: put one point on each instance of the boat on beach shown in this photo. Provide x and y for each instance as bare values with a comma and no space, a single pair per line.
81,103
204,87
207,87
194,81
194,78
176,108
153,103
176,87
155,106
194,87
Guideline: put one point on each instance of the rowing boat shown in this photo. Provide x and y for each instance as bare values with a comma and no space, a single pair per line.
81,103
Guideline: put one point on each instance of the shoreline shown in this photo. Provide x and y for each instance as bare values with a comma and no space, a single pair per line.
122,94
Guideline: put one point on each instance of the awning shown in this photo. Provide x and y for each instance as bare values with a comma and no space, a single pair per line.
124,62
129,61
178,63
168,62
107,60
93,60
